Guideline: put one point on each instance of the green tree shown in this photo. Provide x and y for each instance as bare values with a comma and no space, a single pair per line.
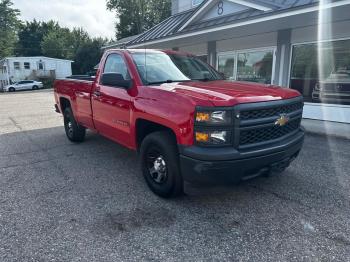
9,24
56,44
74,45
30,37
136,16
88,55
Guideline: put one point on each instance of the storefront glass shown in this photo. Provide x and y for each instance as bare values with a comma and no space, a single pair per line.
252,66
204,58
255,66
321,72
226,65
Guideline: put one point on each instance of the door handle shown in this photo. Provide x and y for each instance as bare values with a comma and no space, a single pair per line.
97,93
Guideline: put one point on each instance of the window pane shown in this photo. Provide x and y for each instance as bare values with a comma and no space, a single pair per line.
116,64
204,58
321,72
16,65
255,66
226,65
26,65
196,2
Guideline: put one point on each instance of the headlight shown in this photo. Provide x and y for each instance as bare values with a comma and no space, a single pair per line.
213,117
213,137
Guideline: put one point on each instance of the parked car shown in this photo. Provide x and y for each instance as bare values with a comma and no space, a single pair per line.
334,89
186,122
24,85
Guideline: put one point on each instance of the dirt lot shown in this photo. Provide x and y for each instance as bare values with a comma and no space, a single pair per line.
65,202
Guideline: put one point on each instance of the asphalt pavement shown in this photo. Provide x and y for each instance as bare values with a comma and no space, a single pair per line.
88,202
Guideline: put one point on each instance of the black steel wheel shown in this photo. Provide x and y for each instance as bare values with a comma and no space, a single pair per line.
160,164
74,131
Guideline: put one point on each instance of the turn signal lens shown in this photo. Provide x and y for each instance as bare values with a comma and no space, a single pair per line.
202,137
202,117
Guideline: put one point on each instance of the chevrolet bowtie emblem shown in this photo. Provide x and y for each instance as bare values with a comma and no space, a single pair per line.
282,120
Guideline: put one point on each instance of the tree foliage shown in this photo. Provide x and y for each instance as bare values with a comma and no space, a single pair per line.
50,39
75,45
136,16
9,24
30,37
37,38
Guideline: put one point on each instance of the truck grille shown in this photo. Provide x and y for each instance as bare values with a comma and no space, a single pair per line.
257,121
273,111
268,133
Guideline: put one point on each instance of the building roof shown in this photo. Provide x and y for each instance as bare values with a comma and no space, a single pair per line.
182,22
275,5
36,57
121,42
166,28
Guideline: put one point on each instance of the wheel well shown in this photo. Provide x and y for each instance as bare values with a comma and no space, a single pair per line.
145,127
64,102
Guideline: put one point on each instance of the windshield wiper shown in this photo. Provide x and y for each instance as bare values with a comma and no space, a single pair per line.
166,81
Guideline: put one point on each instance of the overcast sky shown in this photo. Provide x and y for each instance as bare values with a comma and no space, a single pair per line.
91,15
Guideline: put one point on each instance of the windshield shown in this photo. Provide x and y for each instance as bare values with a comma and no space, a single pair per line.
156,68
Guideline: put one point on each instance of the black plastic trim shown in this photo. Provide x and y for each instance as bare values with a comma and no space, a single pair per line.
230,153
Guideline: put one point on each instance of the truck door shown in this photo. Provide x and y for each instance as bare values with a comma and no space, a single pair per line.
111,105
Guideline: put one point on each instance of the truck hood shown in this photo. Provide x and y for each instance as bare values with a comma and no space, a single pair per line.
229,93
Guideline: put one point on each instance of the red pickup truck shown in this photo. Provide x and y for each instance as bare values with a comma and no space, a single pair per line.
184,119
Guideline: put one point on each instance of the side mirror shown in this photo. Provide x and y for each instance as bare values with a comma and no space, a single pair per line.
115,80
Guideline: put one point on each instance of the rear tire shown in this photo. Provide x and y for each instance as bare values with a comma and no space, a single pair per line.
35,87
160,164
74,131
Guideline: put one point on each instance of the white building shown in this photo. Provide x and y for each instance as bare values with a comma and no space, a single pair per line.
300,44
15,69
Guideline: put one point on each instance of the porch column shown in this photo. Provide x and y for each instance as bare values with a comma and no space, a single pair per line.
8,72
211,51
283,54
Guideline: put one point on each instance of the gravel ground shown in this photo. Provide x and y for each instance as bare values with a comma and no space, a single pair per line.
65,202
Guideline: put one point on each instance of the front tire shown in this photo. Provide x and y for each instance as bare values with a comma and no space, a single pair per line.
12,89
160,164
74,131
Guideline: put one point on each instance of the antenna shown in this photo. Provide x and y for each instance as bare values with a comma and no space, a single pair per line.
144,47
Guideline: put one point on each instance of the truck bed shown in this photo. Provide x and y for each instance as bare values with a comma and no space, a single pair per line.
77,90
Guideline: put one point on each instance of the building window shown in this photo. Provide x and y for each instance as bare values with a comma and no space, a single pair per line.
250,65
321,71
204,58
196,2
255,66
226,65
26,65
16,65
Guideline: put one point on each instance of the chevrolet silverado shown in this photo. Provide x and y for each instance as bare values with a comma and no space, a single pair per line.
186,121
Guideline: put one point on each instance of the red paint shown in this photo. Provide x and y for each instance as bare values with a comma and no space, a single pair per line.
115,112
